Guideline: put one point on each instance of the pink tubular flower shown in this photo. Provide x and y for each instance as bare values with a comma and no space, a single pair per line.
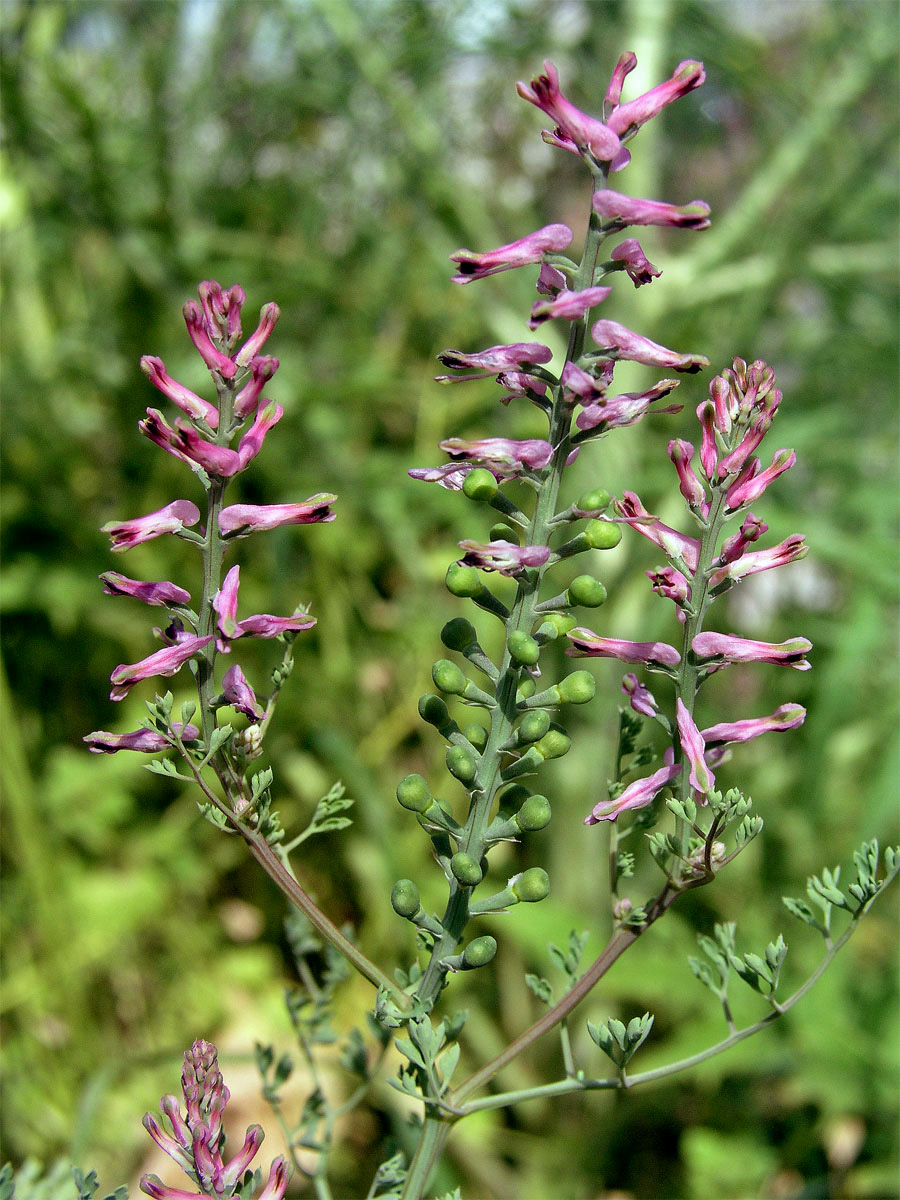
517,384
171,519
751,530
746,489
146,741
225,604
570,306
674,544
161,593
222,311
199,332
637,266
240,520
262,368
725,648
497,358
251,443
639,794
500,452
671,584
189,402
625,118
187,445
692,745
626,64
504,557
786,716
641,698
527,250
587,644
240,695
681,453
450,476
618,211
279,1177
167,661
268,319
788,551
612,412
620,342
574,130
709,450
262,625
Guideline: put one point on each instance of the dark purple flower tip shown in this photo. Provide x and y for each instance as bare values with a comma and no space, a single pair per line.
625,119
527,250
145,741
497,358
240,520
574,130
504,557
620,342
167,661
637,266
569,306
240,695
620,210
499,452
171,519
159,593
587,644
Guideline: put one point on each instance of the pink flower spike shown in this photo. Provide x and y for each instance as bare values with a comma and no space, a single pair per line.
722,648
675,545
640,697
626,64
145,741
240,696
786,716
500,452
225,603
618,211
279,1177
637,266
264,625
681,453
251,443
240,520
242,1160
161,594
504,557
788,551
171,519
527,250
692,745
167,661
199,334
625,118
570,306
268,319
619,342
497,358
639,794
574,130
189,402
746,491
587,644
262,368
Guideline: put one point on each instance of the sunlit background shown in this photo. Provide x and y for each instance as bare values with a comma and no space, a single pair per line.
330,155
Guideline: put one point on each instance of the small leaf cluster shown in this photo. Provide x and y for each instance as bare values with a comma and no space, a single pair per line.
825,893
760,972
619,1041
432,1053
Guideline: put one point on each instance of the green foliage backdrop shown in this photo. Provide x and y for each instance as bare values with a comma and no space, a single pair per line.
329,155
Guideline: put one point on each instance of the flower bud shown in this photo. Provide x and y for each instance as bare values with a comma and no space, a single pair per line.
461,764
512,797
534,814
602,535
433,710
526,688
532,885
448,677
595,500
458,634
523,649
501,532
533,726
413,793
554,744
586,591
466,869
560,622
477,735
462,581
577,688
479,952
480,484
405,898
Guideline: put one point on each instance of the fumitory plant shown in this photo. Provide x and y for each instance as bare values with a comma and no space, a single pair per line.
501,717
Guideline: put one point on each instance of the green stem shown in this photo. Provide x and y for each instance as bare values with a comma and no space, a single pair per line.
435,1132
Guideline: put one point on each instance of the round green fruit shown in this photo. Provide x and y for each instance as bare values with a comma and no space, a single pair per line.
462,581
523,649
413,793
602,535
465,869
532,886
534,814
577,688
479,952
405,898
480,485
586,591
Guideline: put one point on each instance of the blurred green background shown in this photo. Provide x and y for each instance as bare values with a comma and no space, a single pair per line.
330,155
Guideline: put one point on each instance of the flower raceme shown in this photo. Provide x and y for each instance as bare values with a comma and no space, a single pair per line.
201,438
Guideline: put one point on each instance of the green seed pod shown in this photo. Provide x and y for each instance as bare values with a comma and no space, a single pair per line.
587,591
462,581
413,793
477,735
433,710
480,485
533,726
534,814
532,885
461,764
561,622
448,677
523,649
458,634
577,688
602,535
466,870
529,761
405,898
526,688
554,744
501,532
512,797
593,501
479,952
